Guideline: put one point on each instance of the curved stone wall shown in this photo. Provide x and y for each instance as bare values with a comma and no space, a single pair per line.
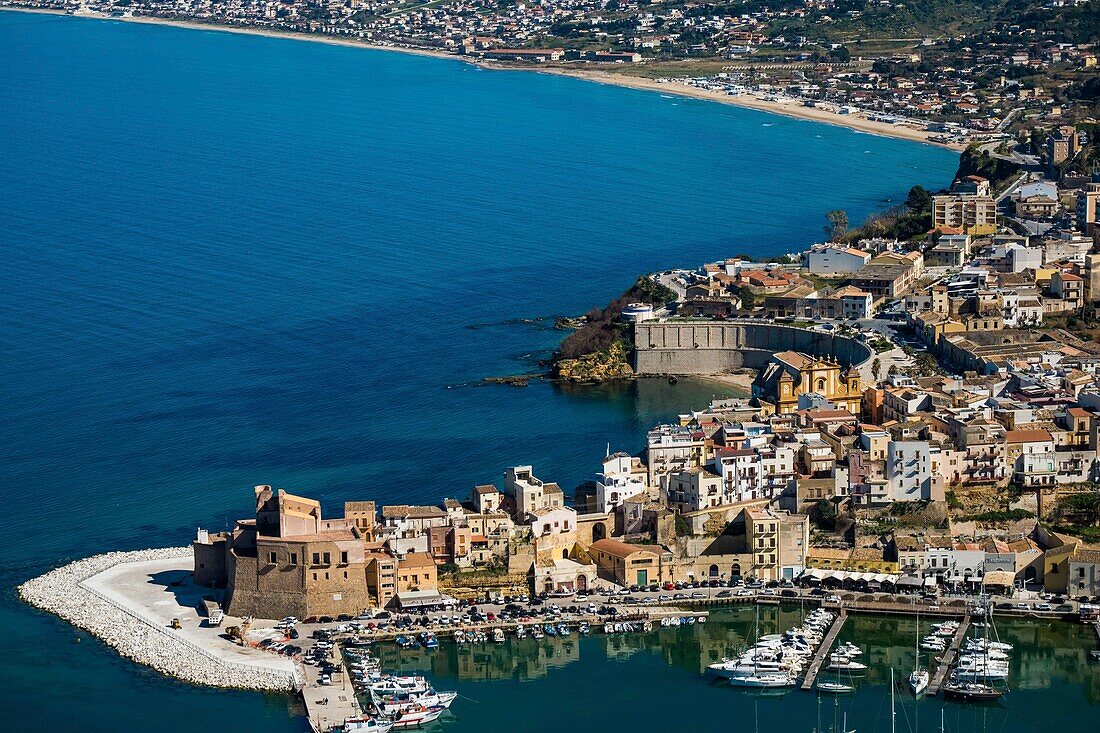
684,346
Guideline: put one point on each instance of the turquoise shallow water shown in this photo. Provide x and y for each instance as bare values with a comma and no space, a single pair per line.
232,260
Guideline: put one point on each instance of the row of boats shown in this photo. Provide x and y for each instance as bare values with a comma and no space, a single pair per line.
979,674
396,702
777,660
429,641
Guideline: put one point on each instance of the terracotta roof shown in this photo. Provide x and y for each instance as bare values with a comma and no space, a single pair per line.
414,512
1027,436
416,560
618,549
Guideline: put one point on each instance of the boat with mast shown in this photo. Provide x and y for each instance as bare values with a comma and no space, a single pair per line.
982,662
919,677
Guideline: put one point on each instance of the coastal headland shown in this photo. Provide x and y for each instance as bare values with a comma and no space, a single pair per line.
786,108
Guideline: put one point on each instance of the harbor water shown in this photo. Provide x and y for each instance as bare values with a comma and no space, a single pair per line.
657,681
232,260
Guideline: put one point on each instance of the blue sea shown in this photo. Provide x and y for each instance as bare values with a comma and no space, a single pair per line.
230,260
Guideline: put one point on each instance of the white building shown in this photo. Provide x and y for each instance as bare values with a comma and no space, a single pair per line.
1021,309
530,493
909,473
673,448
614,488
855,303
695,489
552,521
836,260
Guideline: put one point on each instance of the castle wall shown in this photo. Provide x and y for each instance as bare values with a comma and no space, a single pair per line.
686,347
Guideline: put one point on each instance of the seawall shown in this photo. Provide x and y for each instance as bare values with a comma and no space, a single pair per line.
704,347
73,593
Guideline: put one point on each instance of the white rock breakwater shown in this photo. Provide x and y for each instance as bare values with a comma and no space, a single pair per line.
61,592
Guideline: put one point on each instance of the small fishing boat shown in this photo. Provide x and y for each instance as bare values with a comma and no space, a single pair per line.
416,717
366,725
429,641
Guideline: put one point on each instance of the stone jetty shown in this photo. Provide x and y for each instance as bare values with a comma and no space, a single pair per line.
66,593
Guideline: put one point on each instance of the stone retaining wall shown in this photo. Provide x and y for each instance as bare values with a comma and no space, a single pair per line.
686,346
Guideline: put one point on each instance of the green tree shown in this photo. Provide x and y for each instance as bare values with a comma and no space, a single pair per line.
919,200
823,514
876,368
747,296
837,224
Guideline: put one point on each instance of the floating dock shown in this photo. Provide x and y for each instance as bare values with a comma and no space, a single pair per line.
948,658
823,650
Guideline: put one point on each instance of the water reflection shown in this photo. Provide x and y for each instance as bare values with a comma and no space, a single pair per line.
1053,684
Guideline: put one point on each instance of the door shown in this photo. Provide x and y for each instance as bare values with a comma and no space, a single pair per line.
643,577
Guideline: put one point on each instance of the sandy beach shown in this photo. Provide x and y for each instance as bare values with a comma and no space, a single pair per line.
785,108
788,108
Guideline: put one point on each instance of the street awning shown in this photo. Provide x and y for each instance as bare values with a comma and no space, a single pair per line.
420,599
909,581
930,582
1002,578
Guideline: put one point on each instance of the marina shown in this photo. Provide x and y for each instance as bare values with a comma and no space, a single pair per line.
329,690
823,650
948,658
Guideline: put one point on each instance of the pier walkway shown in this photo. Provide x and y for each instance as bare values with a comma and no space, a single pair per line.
823,650
948,658
328,706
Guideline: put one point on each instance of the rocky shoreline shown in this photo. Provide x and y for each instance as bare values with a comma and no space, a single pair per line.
63,593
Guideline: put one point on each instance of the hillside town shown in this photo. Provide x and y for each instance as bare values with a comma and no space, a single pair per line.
992,85
948,436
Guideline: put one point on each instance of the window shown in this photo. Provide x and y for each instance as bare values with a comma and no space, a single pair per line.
294,558
316,559
328,561
272,558
344,560
315,576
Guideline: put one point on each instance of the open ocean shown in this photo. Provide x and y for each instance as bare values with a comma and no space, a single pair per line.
230,260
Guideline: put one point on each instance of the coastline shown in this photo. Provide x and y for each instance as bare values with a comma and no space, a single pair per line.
785,109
